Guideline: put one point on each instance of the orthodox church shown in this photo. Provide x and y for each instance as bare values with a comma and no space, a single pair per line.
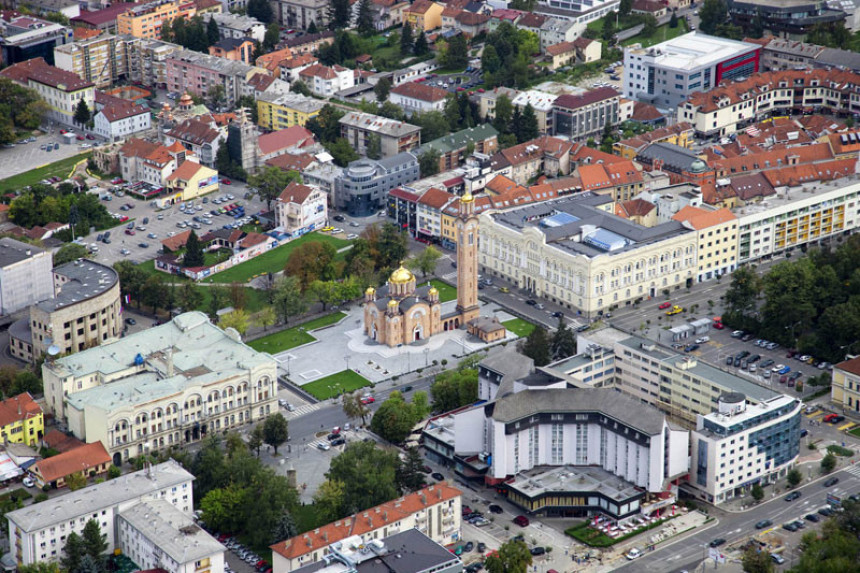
401,312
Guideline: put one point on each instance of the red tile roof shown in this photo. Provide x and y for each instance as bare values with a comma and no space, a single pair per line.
560,48
185,172
583,154
295,193
18,408
289,162
582,42
799,174
38,70
420,7
645,112
529,150
84,458
57,440
773,159
851,366
419,91
570,101
700,218
295,136
471,19
177,241
365,521
319,71
634,208
104,16
436,198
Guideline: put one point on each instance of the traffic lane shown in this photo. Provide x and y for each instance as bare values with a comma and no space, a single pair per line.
735,527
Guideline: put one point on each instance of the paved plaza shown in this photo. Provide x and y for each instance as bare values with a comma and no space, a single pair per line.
346,346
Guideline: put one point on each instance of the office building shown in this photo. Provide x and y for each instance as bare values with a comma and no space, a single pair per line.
25,275
579,11
740,445
84,311
667,74
61,90
38,532
576,252
845,388
791,19
146,20
586,115
27,37
433,511
362,188
394,136
169,385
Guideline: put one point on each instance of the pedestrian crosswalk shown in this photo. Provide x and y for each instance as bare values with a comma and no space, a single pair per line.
853,469
450,276
303,410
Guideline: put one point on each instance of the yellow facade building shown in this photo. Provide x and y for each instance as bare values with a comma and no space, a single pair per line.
423,15
276,112
716,240
21,420
146,20
845,389
192,180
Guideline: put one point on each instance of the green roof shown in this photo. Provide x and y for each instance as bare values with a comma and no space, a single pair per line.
461,139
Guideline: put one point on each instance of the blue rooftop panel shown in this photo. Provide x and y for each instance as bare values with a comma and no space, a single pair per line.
558,220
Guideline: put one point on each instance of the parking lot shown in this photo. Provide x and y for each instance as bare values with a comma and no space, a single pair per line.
469,80
25,156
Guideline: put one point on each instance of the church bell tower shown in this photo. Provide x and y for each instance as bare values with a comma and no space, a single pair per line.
467,260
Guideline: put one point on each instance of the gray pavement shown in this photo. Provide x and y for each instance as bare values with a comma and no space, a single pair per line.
26,156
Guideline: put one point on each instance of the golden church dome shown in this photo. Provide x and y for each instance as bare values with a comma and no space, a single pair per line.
392,303
401,276
467,198
370,290
433,291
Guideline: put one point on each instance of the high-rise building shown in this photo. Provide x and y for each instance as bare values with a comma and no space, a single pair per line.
25,275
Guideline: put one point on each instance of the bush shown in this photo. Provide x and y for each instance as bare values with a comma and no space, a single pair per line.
840,451
40,497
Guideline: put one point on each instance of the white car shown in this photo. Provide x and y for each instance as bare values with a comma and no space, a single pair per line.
633,554
324,446
703,340
777,368
28,482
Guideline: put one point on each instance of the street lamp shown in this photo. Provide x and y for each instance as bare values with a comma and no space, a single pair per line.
426,357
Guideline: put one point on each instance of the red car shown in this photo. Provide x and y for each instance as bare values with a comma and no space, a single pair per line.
80,138
123,219
368,400
665,305
90,136
129,231
64,131
719,325
226,182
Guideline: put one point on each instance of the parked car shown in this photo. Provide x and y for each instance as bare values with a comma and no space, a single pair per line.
521,520
717,542
437,476
495,508
764,523
633,554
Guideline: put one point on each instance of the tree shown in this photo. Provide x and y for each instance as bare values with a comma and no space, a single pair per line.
393,246
513,557
528,124
73,552
395,418
828,463
364,21
563,341
607,31
261,10
382,88
265,318
354,408
490,61
624,7
406,40
757,492
325,292
433,124
454,388
238,319
794,477
311,262
131,279
421,47
649,23
39,567
426,260
76,481
94,541
113,472
285,528
756,561
212,33
275,431
374,146
270,181
428,162
312,28
341,151
193,252
89,565
339,14
288,298
70,252
222,507
410,472
673,21
368,475
82,113
536,346
712,13
457,55
189,296
256,439
504,114
329,501
272,37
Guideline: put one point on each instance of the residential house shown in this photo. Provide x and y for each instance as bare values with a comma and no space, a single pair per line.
557,30
423,15
532,22
542,156
587,50
131,156
117,119
621,180
652,7
89,460
199,136
21,420
394,136
61,90
387,13
680,134
487,100
418,97
326,81
560,55
290,68
236,49
300,209
310,43
191,180
845,389
454,148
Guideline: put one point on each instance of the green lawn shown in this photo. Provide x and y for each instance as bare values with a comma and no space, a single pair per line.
840,451
344,381
60,168
446,291
520,327
662,34
295,336
271,261
855,432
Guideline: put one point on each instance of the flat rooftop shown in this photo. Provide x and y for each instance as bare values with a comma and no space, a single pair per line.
378,124
86,279
94,498
694,50
174,532
786,198
575,479
12,251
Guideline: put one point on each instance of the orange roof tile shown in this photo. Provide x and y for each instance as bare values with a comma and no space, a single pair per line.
57,440
560,48
295,193
79,459
700,218
18,408
773,159
186,171
436,198
176,241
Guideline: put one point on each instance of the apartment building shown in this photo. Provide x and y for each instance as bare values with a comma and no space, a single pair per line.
716,240
300,13
197,73
326,81
38,532
61,90
429,207
25,275
147,61
167,386
727,109
434,511
667,74
21,420
146,20
454,149
84,310
394,136
300,209
545,155
741,444
795,218
102,60
542,104
582,116
678,384
845,389
621,180
238,26
362,188
276,111
578,253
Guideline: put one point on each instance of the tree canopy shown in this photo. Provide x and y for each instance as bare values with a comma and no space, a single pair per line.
395,418
368,475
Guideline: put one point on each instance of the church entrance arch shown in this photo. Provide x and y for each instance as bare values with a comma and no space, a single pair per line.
417,332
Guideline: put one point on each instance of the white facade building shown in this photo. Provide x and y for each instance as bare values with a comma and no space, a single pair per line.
741,445
118,122
38,532
300,209
25,275
326,81
237,26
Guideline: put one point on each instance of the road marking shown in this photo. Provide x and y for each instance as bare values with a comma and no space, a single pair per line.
847,426
814,415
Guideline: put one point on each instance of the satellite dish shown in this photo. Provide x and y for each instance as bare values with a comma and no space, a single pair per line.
53,350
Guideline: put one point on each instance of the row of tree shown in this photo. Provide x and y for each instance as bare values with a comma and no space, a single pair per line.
507,56
44,204
20,108
543,348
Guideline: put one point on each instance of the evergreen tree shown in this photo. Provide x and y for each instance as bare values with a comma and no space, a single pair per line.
673,21
757,492
94,541
272,37
420,48
382,89
259,9
563,341
712,14
212,33
457,55
406,40
504,113
285,528
339,14
73,552
374,146
82,113
528,124
275,431
312,28
536,346
516,124
193,252
364,22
